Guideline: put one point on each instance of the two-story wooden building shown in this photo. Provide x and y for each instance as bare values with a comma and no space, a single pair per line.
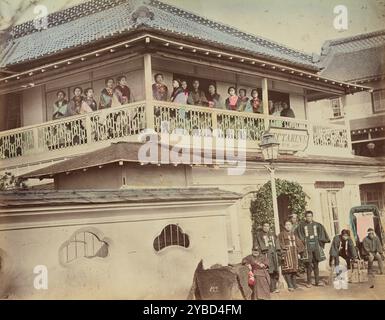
115,227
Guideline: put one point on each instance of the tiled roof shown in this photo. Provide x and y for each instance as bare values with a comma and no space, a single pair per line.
101,19
128,152
25,199
354,58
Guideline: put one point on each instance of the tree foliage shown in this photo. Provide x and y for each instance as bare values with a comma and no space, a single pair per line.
262,205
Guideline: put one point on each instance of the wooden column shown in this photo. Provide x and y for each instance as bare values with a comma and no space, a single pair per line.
265,102
148,91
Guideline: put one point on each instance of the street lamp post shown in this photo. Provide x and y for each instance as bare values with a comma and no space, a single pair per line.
270,149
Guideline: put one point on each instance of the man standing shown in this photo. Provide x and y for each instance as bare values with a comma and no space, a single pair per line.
314,236
267,242
291,247
342,246
373,249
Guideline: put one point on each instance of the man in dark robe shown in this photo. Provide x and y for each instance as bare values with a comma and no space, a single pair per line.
159,89
258,264
372,248
197,97
314,236
122,90
267,242
342,246
291,247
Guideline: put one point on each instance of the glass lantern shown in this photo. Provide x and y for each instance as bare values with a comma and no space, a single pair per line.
269,146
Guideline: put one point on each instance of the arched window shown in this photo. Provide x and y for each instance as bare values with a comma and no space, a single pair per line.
83,244
171,235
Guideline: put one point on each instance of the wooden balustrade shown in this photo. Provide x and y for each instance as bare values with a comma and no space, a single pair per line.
130,120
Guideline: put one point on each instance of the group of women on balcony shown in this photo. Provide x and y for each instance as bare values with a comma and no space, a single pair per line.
196,96
83,101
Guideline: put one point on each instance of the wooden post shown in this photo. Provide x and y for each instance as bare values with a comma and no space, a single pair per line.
265,102
148,91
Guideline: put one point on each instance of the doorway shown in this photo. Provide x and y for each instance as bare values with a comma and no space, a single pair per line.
283,209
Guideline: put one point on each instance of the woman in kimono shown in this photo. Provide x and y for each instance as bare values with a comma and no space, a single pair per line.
77,105
260,280
213,97
291,247
108,97
122,90
89,99
178,94
60,106
159,89
243,100
254,104
232,102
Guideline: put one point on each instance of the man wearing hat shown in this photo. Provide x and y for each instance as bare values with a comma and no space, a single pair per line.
372,247
342,246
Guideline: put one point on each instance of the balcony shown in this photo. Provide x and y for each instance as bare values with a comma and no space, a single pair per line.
70,136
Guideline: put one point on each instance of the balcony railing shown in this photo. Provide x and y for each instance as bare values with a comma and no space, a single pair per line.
92,129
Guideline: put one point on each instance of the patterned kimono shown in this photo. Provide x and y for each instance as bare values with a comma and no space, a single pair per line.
77,106
197,98
91,103
291,246
261,288
123,93
254,105
213,100
242,104
108,99
314,236
159,91
269,245
59,109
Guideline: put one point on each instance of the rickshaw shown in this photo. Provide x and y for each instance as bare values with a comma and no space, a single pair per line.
361,217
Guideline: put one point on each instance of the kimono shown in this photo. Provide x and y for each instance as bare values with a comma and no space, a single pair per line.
268,244
291,246
242,104
59,109
314,237
261,287
254,105
178,96
213,100
289,113
108,99
232,103
123,94
343,248
197,98
91,103
159,91
77,106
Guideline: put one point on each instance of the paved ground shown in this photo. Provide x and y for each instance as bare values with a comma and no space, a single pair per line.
361,291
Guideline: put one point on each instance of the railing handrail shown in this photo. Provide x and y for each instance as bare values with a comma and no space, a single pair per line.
70,118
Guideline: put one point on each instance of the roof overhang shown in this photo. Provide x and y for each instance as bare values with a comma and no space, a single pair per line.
319,87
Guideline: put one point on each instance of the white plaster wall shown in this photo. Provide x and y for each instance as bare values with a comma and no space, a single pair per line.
132,270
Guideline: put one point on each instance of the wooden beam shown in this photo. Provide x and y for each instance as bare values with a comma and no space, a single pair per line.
148,90
265,101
